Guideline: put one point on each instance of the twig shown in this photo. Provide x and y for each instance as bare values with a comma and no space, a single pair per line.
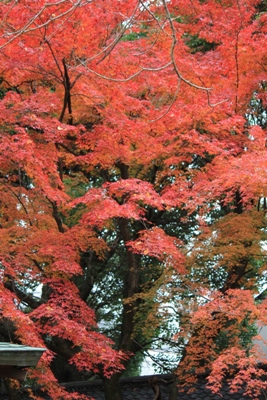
172,103
129,77
174,42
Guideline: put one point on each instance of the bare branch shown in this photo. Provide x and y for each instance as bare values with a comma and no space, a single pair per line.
27,27
174,42
161,27
172,103
18,197
129,77
54,57
111,46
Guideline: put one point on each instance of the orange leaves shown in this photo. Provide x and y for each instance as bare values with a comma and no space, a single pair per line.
123,199
234,242
16,319
135,190
154,148
155,243
216,335
247,375
48,250
234,304
65,314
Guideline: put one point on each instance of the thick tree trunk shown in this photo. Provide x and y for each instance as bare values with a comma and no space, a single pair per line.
131,287
174,390
112,388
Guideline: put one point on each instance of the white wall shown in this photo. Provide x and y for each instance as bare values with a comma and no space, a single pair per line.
262,343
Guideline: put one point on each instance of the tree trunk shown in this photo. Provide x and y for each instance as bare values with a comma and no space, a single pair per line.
153,382
112,388
174,390
131,286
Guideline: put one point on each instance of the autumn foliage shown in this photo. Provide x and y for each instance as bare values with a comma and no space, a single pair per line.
133,150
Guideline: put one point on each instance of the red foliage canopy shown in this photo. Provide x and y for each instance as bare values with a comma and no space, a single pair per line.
114,115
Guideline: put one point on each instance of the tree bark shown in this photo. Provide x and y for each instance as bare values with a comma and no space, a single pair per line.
112,388
130,306
156,388
174,390
131,287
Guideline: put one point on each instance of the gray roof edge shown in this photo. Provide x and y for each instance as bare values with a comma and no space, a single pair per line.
132,379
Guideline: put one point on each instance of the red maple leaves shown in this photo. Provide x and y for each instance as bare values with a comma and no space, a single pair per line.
120,123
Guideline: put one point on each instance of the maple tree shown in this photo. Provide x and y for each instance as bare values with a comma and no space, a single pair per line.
133,164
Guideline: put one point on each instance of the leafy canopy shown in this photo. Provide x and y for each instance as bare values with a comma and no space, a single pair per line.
133,179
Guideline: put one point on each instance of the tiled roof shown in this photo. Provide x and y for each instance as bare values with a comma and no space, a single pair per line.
138,388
